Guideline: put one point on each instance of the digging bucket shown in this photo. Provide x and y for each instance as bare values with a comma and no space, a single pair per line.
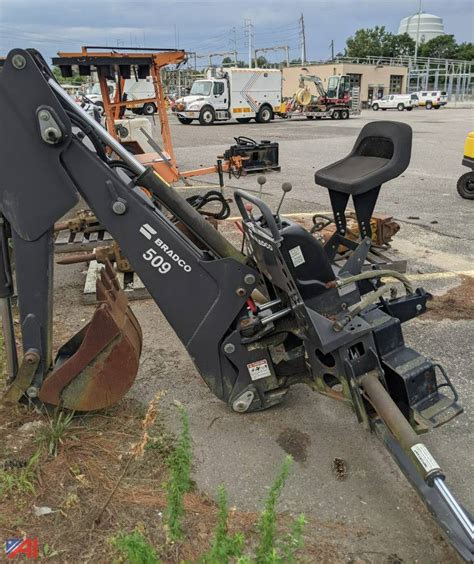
97,366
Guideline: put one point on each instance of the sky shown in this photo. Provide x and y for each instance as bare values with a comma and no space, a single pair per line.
212,26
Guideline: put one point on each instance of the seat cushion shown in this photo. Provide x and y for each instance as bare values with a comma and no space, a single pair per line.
353,175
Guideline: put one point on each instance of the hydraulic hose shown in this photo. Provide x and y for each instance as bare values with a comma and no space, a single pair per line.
357,308
377,274
164,193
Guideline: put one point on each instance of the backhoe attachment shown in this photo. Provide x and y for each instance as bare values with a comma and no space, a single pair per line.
329,323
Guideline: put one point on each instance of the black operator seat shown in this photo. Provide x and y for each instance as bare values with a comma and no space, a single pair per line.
382,152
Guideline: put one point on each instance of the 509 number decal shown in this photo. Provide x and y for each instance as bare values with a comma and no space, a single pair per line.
157,261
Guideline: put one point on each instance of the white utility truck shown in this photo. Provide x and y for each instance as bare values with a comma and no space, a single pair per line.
226,93
134,89
398,102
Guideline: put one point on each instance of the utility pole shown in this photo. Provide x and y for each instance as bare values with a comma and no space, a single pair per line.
332,49
417,31
249,35
303,40
234,44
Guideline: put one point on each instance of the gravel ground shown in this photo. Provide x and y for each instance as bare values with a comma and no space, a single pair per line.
377,513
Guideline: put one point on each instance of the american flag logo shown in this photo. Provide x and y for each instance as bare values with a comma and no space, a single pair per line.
12,544
18,547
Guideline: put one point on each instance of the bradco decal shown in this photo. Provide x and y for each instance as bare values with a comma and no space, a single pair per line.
261,242
156,260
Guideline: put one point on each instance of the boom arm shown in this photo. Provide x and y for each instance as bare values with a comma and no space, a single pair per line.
200,292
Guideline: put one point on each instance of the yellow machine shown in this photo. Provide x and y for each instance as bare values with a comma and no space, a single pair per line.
465,184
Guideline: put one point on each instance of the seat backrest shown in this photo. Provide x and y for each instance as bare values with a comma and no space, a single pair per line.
389,140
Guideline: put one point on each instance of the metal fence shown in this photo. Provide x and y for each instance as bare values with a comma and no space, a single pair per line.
456,77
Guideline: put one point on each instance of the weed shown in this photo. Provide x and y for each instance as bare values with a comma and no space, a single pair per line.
49,552
2,358
147,423
179,481
293,540
224,546
51,436
270,550
162,441
138,449
267,523
22,482
135,548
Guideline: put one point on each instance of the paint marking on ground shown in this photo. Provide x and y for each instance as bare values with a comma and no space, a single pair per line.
440,275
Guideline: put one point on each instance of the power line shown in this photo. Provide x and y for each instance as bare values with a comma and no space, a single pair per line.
249,34
303,39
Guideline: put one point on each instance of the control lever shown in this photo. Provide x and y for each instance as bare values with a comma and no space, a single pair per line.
286,187
261,181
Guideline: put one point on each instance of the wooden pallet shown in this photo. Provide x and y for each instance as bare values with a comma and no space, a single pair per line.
129,281
69,242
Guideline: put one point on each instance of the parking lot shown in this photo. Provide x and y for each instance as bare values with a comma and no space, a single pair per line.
373,515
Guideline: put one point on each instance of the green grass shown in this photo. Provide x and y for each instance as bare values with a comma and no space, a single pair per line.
179,481
51,436
134,548
19,482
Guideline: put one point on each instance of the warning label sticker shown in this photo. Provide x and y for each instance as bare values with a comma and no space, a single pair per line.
296,256
424,457
259,369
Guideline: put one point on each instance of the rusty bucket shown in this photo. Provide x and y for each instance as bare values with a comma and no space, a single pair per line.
98,366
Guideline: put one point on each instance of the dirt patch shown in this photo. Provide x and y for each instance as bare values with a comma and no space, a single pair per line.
456,304
294,442
76,483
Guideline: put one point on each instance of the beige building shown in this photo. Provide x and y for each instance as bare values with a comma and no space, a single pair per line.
374,81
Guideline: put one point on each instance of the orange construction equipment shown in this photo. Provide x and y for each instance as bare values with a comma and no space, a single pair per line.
117,65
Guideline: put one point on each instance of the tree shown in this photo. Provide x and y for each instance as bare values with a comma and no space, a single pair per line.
74,79
261,62
227,62
366,42
441,47
398,45
465,52
378,42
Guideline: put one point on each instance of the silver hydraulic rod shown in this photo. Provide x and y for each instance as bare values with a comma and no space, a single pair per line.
458,512
267,305
407,439
11,357
102,133
277,315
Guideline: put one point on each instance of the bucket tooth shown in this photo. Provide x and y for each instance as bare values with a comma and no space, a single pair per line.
99,364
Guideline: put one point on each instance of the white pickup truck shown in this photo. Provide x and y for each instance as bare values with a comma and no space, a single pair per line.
432,99
226,93
398,102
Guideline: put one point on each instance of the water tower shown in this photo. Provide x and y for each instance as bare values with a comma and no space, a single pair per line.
422,27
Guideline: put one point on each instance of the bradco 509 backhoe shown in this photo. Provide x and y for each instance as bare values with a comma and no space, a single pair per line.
321,321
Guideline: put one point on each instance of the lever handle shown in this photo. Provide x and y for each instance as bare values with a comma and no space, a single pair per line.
286,187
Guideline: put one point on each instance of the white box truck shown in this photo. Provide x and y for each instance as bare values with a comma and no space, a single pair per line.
134,89
226,93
